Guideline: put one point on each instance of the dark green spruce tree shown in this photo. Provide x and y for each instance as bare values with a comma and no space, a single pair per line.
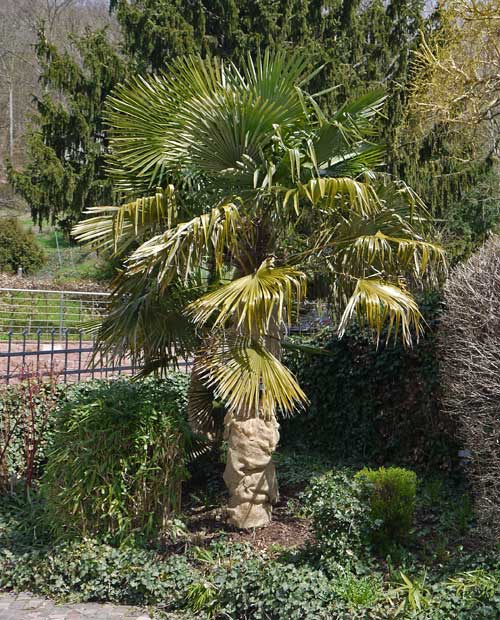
65,173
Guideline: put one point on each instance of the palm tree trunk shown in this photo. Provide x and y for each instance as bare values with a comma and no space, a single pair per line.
250,474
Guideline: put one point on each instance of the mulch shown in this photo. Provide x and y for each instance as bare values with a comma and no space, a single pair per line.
286,531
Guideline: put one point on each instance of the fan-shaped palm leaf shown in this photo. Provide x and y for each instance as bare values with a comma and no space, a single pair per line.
248,379
336,193
203,115
386,241
251,302
376,303
117,227
181,250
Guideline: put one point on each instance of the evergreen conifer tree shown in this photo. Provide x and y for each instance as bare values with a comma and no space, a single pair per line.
361,44
65,150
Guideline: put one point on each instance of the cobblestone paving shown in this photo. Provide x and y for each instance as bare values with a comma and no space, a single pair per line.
28,607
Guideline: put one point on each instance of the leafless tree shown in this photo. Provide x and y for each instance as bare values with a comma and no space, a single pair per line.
458,74
470,354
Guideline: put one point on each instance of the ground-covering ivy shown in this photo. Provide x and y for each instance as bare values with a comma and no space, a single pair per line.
337,576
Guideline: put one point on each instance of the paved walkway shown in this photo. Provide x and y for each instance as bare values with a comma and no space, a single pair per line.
28,607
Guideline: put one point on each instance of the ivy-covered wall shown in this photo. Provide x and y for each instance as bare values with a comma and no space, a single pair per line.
372,404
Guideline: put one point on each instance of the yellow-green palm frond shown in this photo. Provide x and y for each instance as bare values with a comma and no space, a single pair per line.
253,301
376,303
385,242
335,193
117,226
181,250
249,379
406,254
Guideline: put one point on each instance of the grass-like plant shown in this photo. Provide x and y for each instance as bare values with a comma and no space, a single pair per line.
118,459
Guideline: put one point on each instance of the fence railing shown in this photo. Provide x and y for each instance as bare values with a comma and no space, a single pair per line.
31,312
41,331
71,360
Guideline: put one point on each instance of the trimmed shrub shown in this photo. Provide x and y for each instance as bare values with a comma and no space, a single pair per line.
18,248
470,370
391,494
118,459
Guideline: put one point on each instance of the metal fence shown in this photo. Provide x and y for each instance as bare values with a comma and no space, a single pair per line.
41,331
45,312
70,359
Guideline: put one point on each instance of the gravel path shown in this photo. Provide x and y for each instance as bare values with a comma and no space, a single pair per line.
28,607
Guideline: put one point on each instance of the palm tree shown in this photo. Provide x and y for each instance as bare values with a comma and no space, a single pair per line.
236,188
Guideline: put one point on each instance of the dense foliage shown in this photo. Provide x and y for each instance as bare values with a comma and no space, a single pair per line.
341,520
88,571
373,403
227,580
117,458
469,350
391,495
361,44
18,248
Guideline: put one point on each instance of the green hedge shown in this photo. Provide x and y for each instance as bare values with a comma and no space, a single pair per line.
373,404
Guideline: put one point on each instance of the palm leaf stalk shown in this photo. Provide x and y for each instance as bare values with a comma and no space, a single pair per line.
236,186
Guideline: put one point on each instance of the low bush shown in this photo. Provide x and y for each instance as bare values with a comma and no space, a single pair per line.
89,571
391,495
227,581
341,520
18,248
268,590
117,459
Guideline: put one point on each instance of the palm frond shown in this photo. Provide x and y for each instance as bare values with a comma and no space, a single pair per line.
148,135
348,127
386,242
181,250
376,303
251,302
118,226
361,111
248,379
205,115
345,192
146,326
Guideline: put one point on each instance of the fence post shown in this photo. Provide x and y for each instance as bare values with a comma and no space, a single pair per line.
9,350
61,314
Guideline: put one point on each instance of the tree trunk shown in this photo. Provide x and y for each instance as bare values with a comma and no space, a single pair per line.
250,474
11,122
